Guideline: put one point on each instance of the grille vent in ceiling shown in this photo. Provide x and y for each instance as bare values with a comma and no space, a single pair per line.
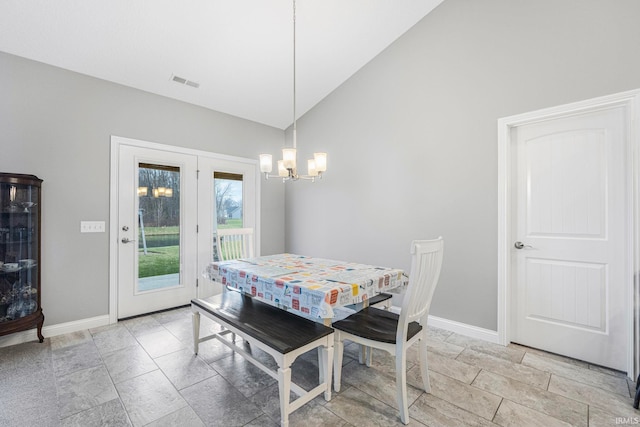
184,81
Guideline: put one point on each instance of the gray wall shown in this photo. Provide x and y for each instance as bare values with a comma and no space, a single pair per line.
57,125
412,137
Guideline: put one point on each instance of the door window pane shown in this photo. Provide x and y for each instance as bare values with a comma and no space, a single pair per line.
158,227
227,188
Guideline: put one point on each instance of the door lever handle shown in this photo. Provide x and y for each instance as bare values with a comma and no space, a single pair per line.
126,240
520,245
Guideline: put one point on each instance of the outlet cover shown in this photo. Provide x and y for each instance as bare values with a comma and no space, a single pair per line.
92,227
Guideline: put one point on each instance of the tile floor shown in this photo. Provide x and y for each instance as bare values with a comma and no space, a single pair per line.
142,372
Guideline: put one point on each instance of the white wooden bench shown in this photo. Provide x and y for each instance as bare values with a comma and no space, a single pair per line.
283,335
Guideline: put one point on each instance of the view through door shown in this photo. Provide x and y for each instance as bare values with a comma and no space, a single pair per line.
167,204
227,189
157,230
227,195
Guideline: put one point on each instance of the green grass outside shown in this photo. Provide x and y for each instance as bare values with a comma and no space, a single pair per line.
159,261
174,229
166,259
155,231
231,223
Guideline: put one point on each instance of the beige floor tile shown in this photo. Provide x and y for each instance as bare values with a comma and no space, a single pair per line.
512,354
511,414
516,371
437,333
593,396
552,356
601,418
70,340
377,383
473,399
453,368
474,383
360,409
565,409
608,371
444,348
434,411
584,375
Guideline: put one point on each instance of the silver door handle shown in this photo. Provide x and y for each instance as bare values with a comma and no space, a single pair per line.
126,240
520,245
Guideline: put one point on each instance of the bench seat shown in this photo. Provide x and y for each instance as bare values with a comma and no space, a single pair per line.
283,335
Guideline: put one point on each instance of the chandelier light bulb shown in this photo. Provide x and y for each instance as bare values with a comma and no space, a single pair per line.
266,163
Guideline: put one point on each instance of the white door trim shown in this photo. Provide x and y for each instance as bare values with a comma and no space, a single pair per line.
631,101
116,142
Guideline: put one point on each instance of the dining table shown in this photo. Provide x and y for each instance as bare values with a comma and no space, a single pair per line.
316,288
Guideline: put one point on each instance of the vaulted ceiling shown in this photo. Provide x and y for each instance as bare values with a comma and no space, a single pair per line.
239,52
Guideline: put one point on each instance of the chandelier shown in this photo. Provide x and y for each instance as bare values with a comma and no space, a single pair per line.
287,167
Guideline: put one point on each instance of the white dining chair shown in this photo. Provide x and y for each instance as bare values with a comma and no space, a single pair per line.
234,243
395,333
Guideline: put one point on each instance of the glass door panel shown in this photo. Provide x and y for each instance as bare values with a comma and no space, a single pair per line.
158,227
227,189
228,197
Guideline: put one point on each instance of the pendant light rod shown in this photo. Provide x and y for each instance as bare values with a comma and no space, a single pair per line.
294,74
287,166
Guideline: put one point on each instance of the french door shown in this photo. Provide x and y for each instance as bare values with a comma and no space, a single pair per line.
226,196
166,205
157,220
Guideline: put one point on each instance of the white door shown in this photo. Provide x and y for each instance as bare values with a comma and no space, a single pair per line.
157,238
571,237
227,192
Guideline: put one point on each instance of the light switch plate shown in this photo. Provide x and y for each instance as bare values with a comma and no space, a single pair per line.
92,227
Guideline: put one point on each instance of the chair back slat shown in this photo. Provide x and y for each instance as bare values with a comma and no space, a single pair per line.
426,263
234,243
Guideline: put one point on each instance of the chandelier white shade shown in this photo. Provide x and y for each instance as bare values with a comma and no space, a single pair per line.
287,167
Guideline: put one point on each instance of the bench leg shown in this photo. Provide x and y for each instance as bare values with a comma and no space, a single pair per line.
284,385
195,317
322,355
338,347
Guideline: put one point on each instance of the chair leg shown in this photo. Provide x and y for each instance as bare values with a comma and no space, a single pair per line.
338,348
329,367
195,318
401,383
424,365
362,356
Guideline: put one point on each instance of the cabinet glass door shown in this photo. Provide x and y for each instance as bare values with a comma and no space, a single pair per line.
19,252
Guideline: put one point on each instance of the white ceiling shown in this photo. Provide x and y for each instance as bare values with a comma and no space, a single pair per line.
239,51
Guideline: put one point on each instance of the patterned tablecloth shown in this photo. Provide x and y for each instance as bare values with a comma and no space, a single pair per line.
311,287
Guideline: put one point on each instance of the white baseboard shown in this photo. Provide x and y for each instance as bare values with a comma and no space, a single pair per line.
94,322
464,329
54,330
459,328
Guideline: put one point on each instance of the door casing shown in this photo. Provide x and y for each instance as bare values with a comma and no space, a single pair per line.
116,141
506,216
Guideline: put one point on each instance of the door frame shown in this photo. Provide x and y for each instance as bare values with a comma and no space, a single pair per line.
629,100
116,142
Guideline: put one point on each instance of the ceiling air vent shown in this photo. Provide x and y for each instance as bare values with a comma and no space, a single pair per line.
184,81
